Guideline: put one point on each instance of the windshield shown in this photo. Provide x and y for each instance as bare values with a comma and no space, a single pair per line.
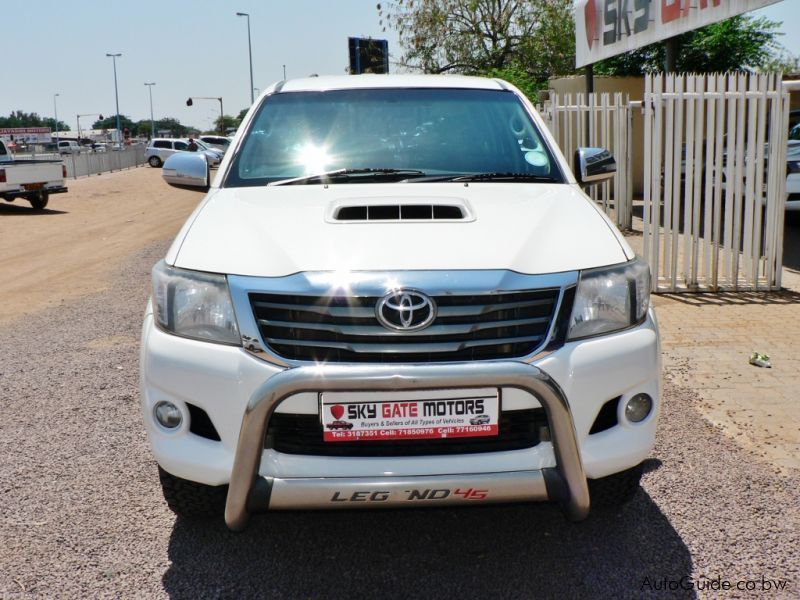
434,132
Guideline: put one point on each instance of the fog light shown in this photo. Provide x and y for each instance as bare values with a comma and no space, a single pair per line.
638,407
167,414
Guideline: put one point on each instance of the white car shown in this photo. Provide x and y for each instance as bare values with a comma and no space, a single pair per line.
381,260
160,149
68,147
217,142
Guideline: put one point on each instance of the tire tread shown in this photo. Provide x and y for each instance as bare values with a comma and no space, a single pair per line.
190,499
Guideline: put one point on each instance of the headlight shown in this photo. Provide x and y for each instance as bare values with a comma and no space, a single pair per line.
194,305
610,299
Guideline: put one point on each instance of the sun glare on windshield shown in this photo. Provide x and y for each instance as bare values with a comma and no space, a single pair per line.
313,158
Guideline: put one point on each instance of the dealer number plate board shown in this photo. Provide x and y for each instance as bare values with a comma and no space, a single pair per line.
374,416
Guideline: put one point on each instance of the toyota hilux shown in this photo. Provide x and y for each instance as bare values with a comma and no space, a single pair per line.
396,293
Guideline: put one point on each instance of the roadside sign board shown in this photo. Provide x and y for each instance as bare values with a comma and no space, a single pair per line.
29,135
605,28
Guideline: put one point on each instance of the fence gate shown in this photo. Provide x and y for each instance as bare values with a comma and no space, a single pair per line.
593,120
715,181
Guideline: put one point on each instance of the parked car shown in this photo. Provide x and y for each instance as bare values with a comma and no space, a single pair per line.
411,245
69,147
216,141
32,180
159,149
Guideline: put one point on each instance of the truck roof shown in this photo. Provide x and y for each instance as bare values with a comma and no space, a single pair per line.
371,81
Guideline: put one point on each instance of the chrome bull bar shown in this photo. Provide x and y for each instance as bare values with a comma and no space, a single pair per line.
566,482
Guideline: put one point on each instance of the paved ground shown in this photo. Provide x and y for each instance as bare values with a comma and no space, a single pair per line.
707,341
81,513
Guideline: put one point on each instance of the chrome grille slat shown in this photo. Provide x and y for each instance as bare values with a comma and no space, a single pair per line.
468,326
484,309
356,312
377,330
434,348
360,312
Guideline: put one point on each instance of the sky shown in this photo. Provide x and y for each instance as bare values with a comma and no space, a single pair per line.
188,48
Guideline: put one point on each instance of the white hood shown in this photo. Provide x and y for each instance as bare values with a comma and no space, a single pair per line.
281,230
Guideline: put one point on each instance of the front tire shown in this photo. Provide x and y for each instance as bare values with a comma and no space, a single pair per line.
192,500
154,161
615,490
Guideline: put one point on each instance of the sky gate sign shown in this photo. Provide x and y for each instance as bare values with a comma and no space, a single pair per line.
606,28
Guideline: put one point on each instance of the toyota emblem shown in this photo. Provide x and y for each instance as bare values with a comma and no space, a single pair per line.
405,310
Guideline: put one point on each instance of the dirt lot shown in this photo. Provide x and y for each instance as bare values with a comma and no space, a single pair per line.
72,248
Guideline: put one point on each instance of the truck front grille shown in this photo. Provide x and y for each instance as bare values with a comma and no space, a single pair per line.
346,329
302,434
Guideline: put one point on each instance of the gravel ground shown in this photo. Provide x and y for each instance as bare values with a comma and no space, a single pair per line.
81,514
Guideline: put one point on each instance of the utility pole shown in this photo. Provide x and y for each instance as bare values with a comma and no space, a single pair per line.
250,54
152,122
116,94
55,111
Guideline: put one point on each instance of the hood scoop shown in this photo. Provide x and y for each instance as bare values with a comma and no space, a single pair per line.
393,210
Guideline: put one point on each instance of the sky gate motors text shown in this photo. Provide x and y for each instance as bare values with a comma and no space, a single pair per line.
430,408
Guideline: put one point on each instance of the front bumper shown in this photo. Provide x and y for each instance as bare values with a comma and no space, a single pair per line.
240,393
566,482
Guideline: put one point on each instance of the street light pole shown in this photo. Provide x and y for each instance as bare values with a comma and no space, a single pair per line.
249,52
152,122
284,72
55,111
116,93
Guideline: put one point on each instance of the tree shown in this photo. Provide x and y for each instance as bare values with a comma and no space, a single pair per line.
735,44
223,123
19,118
174,126
476,36
111,123
51,123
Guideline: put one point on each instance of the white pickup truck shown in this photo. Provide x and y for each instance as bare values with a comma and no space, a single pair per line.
33,180
397,294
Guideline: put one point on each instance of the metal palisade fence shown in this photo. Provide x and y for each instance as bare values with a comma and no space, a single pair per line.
91,163
597,120
715,181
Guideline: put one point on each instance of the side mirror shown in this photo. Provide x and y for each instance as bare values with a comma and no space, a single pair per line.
593,165
187,170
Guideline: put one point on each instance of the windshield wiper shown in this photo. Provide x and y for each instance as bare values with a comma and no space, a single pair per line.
344,174
504,176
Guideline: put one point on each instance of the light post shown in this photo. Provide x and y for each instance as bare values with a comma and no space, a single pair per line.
152,122
284,72
191,100
116,94
249,52
55,111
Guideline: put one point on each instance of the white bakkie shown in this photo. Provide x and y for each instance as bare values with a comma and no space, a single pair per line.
33,180
396,293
